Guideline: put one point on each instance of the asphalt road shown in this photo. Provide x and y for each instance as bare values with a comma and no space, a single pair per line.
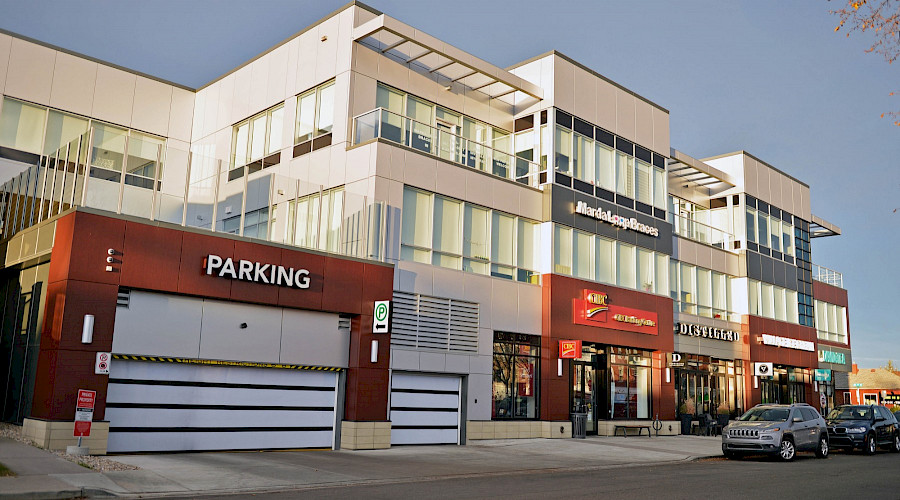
842,475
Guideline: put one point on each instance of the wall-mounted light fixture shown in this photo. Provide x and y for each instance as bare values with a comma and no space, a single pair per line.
668,376
374,357
87,330
559,367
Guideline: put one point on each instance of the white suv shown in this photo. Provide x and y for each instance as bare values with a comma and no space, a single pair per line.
780,430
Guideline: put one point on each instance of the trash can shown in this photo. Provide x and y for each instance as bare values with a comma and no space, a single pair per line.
579,425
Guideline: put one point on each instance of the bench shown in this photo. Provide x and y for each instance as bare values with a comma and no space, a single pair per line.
626,427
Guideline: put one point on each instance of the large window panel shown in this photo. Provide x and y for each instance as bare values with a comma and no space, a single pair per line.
584,256
606,260
306,116
563,150
562,250
704,292
719,294
503,229
22,126
762,223
476,245
643,191
61,129
660,188
751,225
583,161
662,272
276,130
775,228
688,288
626,268
527,247
446,232
416,218
780,312
646,274
606,166
755,298
624,174
325,112
768,300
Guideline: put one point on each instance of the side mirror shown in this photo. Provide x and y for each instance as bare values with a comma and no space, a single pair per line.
879,419
798,419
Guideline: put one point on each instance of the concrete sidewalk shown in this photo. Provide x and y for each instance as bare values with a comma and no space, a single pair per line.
235,472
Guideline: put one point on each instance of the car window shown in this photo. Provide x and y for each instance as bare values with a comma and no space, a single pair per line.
809,414
851,413
765,415
884,413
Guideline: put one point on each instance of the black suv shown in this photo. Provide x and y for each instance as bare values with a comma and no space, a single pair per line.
863,426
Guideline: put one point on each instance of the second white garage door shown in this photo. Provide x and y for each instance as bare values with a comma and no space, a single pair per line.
425,408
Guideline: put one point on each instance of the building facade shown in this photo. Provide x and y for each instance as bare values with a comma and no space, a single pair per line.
543,248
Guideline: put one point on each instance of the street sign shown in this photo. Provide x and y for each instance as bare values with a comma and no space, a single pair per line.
84,412
382,320
857,385
822,375
569,349
822,400
101,364
762,369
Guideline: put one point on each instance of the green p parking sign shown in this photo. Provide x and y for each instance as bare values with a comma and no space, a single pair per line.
382,316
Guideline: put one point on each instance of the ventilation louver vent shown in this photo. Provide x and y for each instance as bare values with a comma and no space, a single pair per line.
124,298
344,323
433,323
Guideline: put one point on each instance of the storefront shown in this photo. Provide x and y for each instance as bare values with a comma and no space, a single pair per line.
833,362
605,353
783,358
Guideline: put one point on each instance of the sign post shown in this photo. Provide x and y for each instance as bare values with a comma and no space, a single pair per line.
84,413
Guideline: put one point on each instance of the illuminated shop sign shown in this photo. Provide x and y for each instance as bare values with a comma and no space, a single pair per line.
802,345
832,357
615,220
594,309
707,332
569,349
256,272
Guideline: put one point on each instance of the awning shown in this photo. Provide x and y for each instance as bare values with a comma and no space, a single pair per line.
819,228
431,56
694,173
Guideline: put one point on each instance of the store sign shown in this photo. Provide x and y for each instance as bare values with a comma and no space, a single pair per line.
256,272
594,309
890,400
676,360
763,369
821,375
832,357
707,332
84,412
615,220
802,345
569,349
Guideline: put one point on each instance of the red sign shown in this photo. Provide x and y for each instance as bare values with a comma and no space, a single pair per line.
569,349
84,412
595,309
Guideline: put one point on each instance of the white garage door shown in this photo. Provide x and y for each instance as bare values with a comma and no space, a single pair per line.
154,406
424,408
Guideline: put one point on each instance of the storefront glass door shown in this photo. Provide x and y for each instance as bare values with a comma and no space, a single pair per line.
584,397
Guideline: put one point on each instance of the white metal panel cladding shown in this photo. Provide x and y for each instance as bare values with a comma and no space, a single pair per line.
425,322
155,406
425,409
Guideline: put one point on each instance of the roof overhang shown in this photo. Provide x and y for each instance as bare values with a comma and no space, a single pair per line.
694,173
447,64
819,228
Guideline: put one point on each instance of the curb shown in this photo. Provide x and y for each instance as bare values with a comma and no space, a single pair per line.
45,495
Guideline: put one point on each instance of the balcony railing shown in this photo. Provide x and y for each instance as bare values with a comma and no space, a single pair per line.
698,231
384,124
828,276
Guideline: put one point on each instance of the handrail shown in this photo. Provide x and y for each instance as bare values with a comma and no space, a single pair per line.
455,148
829,276
704,233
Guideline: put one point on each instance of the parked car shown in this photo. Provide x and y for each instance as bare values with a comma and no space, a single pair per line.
865,427
780,430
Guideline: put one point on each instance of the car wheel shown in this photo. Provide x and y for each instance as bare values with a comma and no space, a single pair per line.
895,447
822,450
870,446
787,451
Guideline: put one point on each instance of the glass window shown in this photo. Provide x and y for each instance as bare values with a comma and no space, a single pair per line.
563,150
502,237
768,300
62,128
584,256
660,188
416,218
446,231
624,174
787,239
626,268
276,130
780,312
22,126
325,112
645,270
545,145
704,292
527,244
306,116
718,294
775,227
476,246
515,376
606,170
257,137
630,385
606,260
688,288
673,279
755,303
791,306
562,250
751,225
762,222
643,191
583,163
662,271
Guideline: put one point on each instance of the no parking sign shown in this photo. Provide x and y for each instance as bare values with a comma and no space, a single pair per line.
101,365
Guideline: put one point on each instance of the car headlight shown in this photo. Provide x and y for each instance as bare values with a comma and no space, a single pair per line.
856,430
773,429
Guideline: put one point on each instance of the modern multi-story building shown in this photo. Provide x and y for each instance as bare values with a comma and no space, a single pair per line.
543,249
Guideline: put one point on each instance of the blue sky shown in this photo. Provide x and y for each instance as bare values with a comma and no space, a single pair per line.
770,78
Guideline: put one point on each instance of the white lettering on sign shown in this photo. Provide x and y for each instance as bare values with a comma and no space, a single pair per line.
802,345
708,332
615,219
256,272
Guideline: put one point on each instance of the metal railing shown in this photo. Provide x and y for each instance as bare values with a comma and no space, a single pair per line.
384,124
828,276
698,231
